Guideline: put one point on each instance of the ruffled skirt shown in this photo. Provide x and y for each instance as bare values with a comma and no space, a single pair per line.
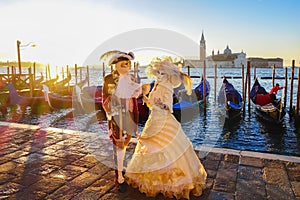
164,160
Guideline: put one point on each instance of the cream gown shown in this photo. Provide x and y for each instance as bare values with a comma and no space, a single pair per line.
164,160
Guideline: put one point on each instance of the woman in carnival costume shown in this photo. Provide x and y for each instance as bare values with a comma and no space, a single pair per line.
164,160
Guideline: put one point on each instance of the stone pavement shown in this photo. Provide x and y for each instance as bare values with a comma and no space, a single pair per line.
47,163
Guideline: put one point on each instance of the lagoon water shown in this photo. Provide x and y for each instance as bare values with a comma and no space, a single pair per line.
206,128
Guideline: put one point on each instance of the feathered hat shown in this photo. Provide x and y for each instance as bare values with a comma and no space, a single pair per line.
115,56
176,76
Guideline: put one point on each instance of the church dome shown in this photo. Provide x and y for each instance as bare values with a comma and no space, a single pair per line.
227,50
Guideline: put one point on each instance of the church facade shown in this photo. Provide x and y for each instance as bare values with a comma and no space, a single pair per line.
225,59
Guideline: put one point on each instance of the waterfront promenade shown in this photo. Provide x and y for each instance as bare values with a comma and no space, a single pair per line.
47,163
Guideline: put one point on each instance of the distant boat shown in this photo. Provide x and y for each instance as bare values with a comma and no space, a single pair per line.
36,102
265,109
186,106
91,98
61,101
230,100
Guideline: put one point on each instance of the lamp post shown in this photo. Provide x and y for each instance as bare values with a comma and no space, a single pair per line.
18,50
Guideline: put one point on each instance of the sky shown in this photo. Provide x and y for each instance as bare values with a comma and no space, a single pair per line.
66,32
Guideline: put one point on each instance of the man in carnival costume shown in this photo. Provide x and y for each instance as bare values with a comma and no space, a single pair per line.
119,94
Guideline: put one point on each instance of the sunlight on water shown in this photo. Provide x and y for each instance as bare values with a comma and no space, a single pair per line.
210,129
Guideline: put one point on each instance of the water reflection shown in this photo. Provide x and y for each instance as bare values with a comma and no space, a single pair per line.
206,128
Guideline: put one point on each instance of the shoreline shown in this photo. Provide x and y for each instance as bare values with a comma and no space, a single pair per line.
202,151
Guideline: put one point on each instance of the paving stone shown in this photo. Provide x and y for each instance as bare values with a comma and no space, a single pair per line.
250,189
294,175
228,165
83,180
98,188
44,169
3,160
20,160
251,161
217,195
214,156
227,174
7,167
4,178
224,185
27,194
68,173
250,173
9,188
27,179
99,169
109,196
209,183
37,164
296,188
51,150
17,154
231,158
63,193
293,166
275,176
274,192
211,164
46,185
273,163
211,173
34,157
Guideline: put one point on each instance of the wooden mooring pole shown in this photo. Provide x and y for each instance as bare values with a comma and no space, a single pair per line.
273,75
215,82
34,71
292,86
248,84
243,88
298,95
30,81
88,75
103,70
285,84
63,72
204,84
76,74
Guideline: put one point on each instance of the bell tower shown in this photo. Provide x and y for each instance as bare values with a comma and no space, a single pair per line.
202,48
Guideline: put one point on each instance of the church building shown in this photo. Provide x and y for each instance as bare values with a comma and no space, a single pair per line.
225,59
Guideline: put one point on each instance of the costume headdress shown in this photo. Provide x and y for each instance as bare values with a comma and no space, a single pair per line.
176,77
115,56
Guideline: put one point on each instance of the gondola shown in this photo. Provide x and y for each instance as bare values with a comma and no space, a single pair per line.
91,97
37,101
91,100
61,101
230,101
265,108
185,107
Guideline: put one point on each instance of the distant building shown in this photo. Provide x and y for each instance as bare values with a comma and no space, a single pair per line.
266,62
227,59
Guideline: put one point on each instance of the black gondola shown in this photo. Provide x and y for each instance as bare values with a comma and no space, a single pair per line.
265,108
230,100
186,106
